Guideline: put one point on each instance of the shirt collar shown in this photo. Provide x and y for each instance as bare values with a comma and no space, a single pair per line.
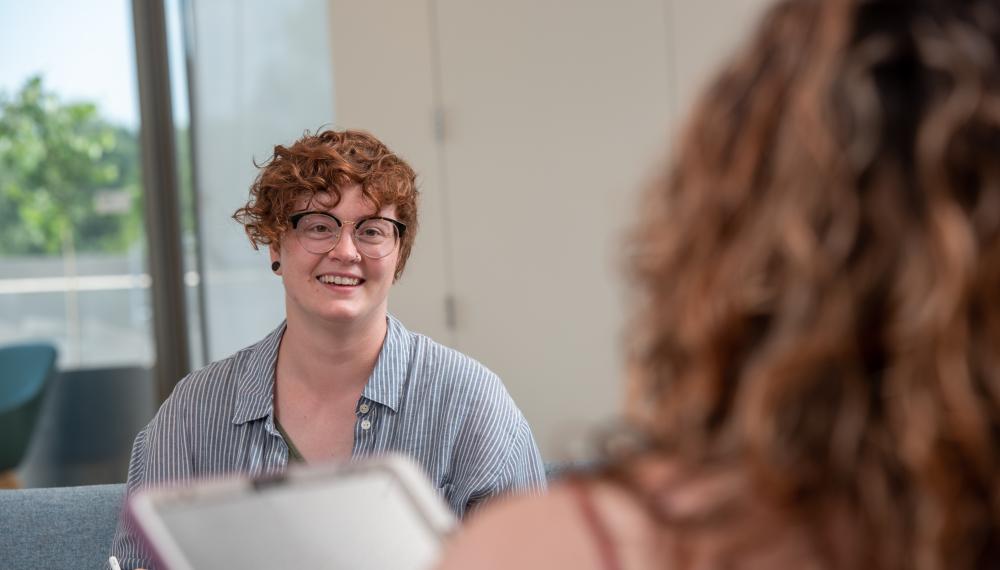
255,395
386,383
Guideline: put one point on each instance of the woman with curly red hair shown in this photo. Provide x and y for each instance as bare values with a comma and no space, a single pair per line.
815,358
341,377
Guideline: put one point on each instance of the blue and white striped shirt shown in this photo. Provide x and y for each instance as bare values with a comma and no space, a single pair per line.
448,412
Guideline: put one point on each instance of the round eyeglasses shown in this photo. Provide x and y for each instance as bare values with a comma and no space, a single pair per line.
374,237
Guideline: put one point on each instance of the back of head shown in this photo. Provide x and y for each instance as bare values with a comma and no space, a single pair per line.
820,277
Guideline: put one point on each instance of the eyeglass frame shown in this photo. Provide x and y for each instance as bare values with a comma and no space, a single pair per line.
400,229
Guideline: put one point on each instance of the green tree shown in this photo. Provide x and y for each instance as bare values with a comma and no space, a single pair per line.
59,162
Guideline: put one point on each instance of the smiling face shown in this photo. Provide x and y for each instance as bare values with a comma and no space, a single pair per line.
341,286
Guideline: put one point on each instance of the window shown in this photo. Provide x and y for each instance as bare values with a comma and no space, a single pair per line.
73,257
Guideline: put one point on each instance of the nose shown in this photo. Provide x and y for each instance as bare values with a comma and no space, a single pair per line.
345,249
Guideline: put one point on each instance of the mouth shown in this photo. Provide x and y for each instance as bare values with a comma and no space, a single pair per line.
340,280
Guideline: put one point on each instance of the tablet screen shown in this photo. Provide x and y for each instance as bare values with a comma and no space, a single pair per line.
364,518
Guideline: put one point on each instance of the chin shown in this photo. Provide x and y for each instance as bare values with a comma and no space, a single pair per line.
341,315
347,314
339,311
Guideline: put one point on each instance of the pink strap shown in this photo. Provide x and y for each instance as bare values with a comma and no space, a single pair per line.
605,544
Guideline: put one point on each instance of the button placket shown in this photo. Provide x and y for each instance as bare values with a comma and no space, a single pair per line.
363,409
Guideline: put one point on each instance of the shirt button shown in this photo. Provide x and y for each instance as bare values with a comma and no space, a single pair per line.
363,408
366,425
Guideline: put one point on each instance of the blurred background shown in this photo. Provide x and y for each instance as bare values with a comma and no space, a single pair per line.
128,135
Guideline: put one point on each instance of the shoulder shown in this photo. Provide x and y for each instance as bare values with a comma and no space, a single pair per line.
549,531
220,374
475,392
449,364
444,367
523,532
460,388
220,381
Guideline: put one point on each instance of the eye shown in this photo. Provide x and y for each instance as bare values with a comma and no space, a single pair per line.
318,226
374,230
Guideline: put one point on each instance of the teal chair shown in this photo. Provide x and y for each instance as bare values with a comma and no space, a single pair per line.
25,370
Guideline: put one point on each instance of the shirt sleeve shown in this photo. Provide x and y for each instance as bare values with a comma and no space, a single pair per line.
160,453
519,470
523,469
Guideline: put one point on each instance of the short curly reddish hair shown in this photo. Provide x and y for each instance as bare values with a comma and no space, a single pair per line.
324,163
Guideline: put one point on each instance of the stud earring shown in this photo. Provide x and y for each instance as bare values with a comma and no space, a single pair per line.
275,266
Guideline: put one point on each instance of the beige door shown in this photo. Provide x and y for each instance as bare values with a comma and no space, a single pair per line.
533,125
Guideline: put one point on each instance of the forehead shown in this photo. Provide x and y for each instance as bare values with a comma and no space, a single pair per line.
347,203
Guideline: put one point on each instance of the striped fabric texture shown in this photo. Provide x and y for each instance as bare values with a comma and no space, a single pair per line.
448,412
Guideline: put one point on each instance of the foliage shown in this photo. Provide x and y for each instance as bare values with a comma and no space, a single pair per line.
57,162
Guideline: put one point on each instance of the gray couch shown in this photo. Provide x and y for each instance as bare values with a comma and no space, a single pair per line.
58,528
70,528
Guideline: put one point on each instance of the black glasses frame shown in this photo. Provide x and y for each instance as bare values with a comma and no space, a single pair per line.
400,226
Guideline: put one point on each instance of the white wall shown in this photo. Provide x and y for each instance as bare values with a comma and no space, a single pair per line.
382,67
550,117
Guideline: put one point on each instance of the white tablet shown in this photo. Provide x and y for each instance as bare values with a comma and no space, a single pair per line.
373,513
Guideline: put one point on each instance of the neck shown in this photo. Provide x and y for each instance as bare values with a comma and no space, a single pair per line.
327,358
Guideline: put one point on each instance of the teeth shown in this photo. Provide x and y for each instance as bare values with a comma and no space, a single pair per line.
338,280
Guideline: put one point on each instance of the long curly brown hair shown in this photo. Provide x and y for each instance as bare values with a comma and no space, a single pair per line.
324,163
820,279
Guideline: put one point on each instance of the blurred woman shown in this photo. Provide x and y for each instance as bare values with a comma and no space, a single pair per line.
340,378
815,359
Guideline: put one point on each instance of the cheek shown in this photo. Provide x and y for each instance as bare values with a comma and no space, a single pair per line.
385,272
385,268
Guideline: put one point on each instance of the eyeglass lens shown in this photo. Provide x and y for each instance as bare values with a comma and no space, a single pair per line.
373,237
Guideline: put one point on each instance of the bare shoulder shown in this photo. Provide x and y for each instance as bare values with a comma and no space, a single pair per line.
523,532
550,531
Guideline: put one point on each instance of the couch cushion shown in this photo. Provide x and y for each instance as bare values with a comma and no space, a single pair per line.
59,527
